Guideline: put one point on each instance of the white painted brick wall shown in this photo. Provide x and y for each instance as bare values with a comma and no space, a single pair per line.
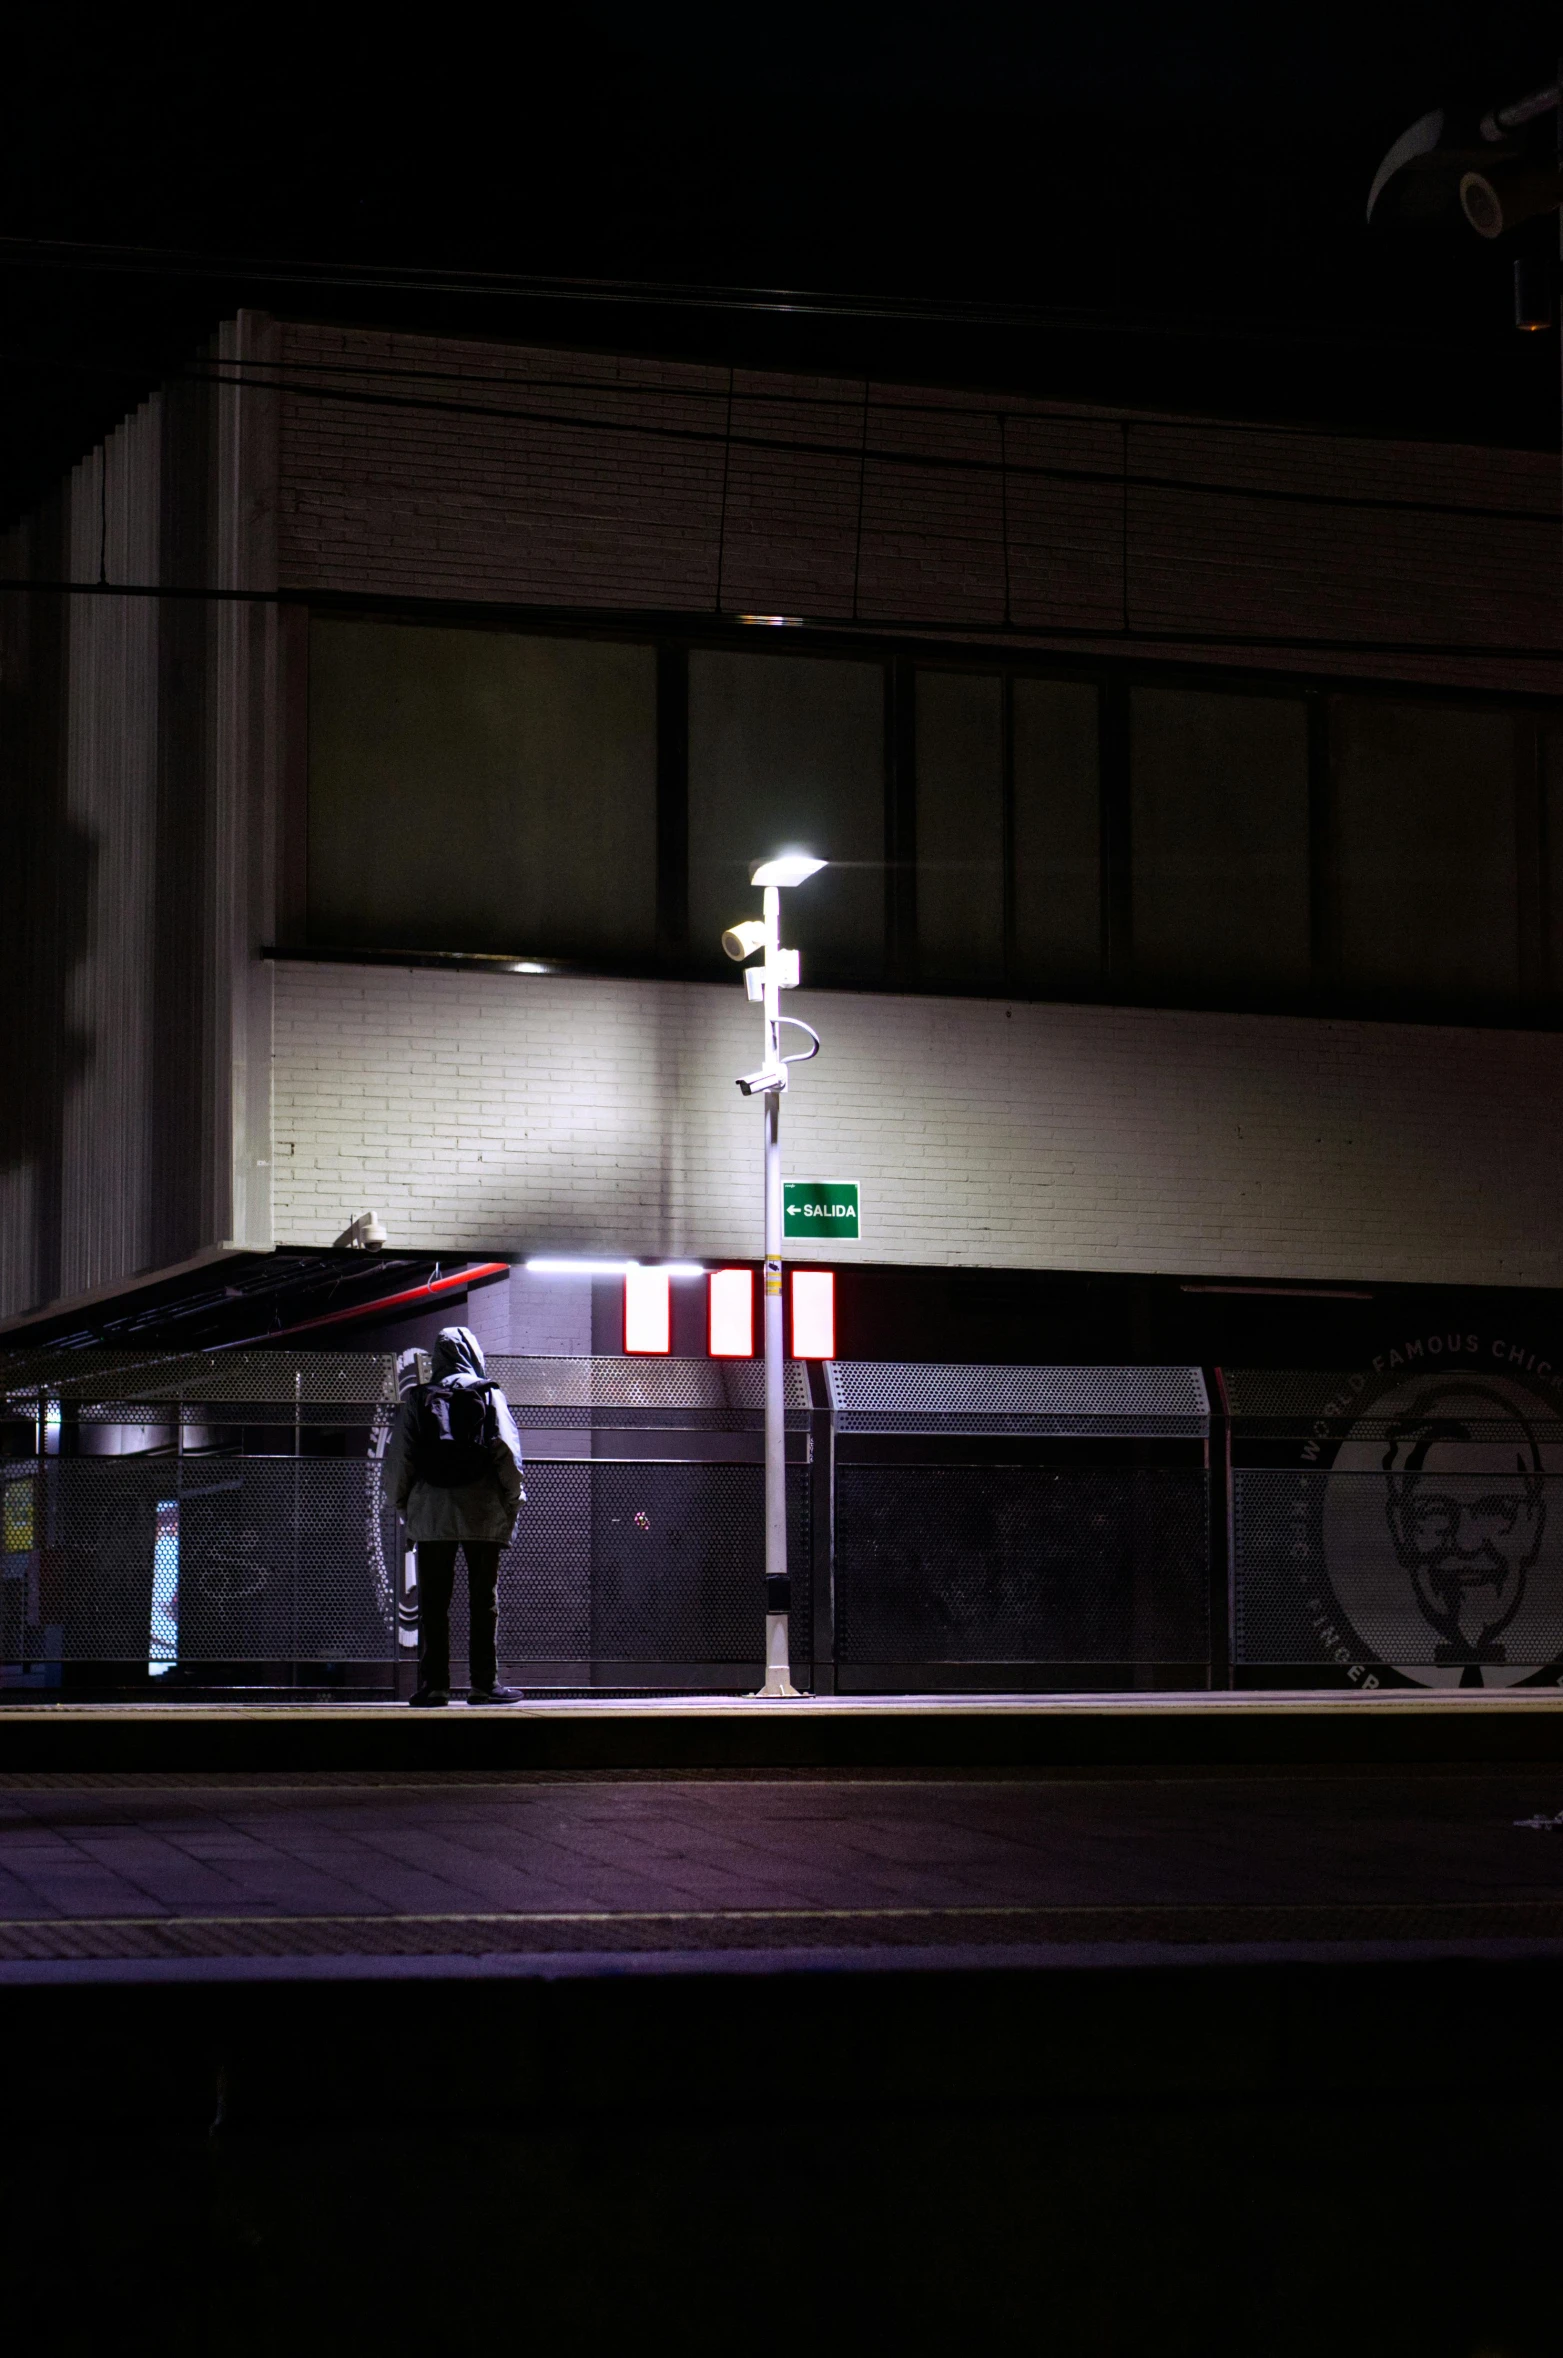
513,1114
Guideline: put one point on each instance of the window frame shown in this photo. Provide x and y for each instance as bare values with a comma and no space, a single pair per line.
1538,1004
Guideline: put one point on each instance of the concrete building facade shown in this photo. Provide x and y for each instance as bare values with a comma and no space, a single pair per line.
232,1037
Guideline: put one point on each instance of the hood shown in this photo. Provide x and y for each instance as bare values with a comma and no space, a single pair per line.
458,1356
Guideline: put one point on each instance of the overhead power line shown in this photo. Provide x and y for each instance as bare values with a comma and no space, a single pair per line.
854,454
689,295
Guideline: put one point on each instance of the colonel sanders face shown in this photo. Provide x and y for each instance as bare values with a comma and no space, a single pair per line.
1466,1513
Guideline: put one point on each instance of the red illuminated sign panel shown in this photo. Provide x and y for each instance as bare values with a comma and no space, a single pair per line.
813,1314
732,1314
648,1316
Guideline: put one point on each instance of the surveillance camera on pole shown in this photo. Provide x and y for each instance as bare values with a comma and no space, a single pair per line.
777,971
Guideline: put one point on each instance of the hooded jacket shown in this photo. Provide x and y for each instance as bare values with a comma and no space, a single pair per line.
485,1509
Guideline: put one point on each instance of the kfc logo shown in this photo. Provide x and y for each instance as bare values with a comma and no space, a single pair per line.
1435,1539
1467,1515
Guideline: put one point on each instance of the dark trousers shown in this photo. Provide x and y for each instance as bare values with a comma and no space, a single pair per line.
436,1581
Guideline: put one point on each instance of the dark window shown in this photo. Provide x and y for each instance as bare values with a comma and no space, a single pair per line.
1057,836
1424,853
481,790
1218,834
500,791
788,752
960,830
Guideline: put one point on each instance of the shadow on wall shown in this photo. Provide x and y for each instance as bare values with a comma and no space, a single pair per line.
48,876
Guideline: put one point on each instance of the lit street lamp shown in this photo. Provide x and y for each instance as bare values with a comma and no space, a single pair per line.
777,971
1501,173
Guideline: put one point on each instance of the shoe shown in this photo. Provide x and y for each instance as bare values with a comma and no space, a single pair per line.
429,1699
495,1695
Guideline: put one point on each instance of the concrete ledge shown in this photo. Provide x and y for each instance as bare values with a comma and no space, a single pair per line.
741,1734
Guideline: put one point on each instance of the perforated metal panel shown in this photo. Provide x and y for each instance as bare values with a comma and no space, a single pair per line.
655,1563
1020,1563
893,1396
1320,1405
589,1393
603,1393
1282,1395
1455,1578
97,1381
234,1501
265,1560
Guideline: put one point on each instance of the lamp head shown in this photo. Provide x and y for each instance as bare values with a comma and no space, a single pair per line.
1500,196
794,867
741,941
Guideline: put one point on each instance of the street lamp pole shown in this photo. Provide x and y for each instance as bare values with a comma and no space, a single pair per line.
778,1586
777,971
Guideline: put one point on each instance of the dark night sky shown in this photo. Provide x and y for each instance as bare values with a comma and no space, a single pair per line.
1172,197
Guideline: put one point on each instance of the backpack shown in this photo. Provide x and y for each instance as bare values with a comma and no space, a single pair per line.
453,1430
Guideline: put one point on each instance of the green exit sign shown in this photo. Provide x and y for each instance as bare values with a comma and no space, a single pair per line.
823,1210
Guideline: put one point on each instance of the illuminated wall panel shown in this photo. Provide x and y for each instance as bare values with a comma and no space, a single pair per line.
813,1314
732,1314
648,1320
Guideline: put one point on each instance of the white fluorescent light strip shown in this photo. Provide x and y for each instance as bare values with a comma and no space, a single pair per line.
561,1268
547,1268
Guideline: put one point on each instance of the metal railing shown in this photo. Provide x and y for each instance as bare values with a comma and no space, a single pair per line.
220,1520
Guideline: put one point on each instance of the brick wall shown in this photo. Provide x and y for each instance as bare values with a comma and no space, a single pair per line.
428,467
507,1114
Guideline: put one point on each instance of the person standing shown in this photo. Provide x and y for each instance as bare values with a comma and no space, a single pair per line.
454,1467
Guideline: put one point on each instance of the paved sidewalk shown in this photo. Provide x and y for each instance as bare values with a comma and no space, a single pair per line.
1223,1732
108,1877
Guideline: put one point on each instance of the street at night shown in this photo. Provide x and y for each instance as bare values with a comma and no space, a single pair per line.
781,1114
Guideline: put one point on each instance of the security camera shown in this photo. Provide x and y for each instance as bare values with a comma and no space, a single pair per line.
741,941
366,1234
760,1084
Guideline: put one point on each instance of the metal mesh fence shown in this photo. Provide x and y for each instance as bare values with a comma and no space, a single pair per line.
1286,1398
227,1509
229,1560
965,1563
603,1394
272,1387
1291,1404
890,1396
297,1560
1447,1577
654,1563
103,1386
